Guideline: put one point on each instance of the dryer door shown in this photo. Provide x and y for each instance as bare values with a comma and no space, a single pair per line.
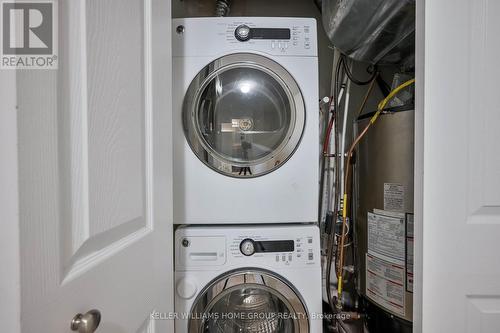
243,115
249,301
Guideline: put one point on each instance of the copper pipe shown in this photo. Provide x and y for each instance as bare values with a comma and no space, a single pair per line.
344,216
368,92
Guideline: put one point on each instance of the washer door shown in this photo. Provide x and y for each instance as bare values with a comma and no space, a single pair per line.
243,115
249,302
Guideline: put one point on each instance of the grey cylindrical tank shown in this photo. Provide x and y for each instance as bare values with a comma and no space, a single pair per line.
384,182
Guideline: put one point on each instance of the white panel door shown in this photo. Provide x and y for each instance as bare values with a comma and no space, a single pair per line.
461,190
95,171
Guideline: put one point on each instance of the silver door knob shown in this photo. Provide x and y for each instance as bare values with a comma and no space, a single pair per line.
86,323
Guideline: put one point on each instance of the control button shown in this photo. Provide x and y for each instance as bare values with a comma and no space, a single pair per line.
311,256
286,45
180,29
294,43
298,255
307,45
242,33
277,257
247,247
272,44
283,258
186,289
290,257
306,29
310,240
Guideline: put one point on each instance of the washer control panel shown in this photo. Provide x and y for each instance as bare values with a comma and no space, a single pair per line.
209,248
280,251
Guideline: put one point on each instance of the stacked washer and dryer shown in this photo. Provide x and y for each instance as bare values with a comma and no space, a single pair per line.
247,253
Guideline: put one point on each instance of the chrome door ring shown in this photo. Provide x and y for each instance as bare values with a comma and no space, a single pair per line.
248,278
214,159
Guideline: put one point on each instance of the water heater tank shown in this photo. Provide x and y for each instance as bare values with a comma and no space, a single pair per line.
374,31
383,212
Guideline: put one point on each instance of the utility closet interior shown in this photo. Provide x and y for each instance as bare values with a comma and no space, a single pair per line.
302,115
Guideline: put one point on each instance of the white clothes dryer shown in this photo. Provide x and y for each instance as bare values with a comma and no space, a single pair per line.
245,112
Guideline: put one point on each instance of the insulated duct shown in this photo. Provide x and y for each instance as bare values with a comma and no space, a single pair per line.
374,31
222,7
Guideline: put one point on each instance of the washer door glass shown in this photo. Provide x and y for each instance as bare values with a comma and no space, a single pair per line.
249,309
243,115
251,301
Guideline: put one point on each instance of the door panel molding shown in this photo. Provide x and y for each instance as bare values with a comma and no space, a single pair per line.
148,326
89,239
483,313
484,164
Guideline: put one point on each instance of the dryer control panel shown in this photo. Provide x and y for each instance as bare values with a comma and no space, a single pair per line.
273,35
280,39
272,246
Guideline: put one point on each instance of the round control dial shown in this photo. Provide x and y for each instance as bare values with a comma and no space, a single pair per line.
242,33
247,247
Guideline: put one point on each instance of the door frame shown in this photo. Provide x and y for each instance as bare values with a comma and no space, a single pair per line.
418,206
10,306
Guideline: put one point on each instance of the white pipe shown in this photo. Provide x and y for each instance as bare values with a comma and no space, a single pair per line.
330,180
344,135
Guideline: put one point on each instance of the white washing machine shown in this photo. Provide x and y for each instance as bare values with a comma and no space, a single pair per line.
248,279
245,114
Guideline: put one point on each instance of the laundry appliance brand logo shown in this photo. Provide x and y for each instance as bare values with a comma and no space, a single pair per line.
28,34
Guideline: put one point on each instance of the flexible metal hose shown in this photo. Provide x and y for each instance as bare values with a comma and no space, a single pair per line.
222,7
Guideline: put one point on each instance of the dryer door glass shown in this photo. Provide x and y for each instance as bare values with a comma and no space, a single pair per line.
249,301
243,115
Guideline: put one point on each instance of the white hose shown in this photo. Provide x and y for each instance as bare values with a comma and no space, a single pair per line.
344,135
